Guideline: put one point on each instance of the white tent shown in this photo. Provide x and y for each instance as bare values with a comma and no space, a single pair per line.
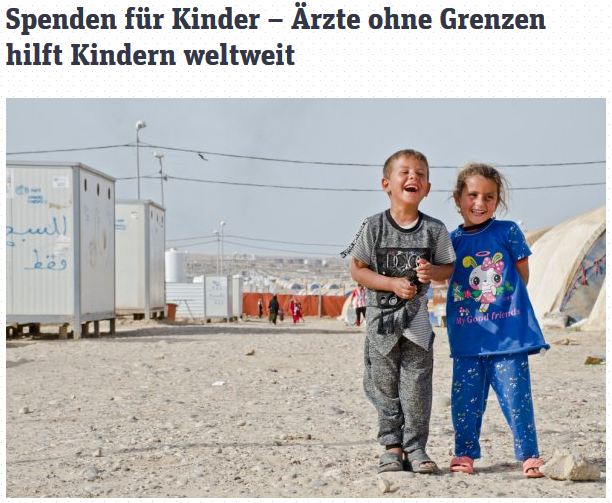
568,270
597,318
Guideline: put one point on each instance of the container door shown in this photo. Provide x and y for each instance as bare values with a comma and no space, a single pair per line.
97,242
130,265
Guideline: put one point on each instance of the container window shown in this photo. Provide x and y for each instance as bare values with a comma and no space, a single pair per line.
85,184
98,190
109,193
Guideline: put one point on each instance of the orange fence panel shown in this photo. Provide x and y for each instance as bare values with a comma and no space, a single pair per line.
330,305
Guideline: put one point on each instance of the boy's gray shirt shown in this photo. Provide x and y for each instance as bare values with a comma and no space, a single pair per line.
390,250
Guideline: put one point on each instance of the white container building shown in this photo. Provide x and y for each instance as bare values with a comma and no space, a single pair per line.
140,243
218,297
211,299
60,245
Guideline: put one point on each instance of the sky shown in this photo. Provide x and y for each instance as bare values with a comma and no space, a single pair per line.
316,223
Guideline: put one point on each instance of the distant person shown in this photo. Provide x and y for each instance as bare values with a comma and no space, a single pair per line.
491,324
259,307
395,255
294,311
298,310
281,315
359,303
273,309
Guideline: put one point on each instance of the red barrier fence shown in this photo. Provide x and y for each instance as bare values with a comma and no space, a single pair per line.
330,305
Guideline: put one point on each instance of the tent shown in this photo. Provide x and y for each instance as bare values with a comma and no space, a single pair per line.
532,236
568,270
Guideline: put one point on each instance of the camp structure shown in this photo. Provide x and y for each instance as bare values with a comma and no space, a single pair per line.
60,247
568,271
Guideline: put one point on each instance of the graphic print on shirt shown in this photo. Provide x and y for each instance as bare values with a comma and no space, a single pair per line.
399,263
485,281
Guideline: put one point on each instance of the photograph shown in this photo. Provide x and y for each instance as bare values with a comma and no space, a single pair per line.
308,296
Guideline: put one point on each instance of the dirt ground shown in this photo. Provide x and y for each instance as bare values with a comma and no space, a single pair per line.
251,410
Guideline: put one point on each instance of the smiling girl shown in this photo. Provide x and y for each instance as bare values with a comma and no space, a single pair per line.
491,325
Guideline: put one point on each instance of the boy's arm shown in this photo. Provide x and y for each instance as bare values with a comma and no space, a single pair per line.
374,281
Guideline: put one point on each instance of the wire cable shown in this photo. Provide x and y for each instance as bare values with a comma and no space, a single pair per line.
335,189
299,252
281,242
70,149
201,154
198,244
191,238
256,239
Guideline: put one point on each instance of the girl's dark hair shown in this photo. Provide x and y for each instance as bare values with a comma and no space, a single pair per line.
486,171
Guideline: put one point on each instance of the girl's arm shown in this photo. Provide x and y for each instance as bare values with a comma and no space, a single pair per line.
426,271
523,270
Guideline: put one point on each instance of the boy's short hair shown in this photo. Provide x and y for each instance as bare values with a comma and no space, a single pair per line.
415,154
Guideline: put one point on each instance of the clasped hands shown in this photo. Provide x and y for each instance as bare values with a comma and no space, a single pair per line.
404,289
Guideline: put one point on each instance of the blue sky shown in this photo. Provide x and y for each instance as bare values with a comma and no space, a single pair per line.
450,132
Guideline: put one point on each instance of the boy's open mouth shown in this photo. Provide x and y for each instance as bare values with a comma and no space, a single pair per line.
411,188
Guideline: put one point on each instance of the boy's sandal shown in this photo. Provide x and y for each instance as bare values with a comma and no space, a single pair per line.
462,464
531,468
390,462
420,462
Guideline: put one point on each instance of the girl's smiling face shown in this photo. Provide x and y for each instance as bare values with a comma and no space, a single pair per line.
478,200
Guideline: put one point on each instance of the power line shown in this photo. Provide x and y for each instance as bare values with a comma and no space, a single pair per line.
299,252
190,239
201,154
197,244
335,189
560,186
255,239
70,149
281,242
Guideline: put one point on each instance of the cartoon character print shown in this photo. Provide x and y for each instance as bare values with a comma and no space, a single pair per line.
485,279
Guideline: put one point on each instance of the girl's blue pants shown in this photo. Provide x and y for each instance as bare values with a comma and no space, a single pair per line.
508,375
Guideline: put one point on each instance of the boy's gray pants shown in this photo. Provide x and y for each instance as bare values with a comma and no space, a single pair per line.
400,387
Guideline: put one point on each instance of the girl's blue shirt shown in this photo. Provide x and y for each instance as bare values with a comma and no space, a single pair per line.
488,308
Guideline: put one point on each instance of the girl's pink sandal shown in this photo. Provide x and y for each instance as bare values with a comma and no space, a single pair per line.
530,468
462,464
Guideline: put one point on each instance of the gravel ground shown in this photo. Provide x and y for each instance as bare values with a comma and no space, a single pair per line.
251,410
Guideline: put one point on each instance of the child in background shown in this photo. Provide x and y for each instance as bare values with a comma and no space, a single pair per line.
359,303
491,325
395,255
293,309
